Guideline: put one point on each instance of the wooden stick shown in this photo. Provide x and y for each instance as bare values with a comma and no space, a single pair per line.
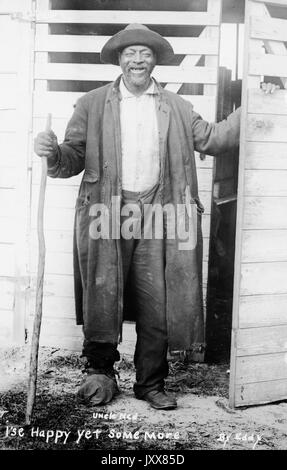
32,383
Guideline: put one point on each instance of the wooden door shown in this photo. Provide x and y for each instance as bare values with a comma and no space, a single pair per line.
259,338
69,39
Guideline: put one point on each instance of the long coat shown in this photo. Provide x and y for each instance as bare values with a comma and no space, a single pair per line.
93,143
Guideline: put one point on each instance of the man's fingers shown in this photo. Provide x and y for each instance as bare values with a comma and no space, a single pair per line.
45,153
45,144
269,88
45,148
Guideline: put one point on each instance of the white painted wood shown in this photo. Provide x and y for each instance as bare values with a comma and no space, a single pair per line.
6,294
263,310
7,202
21,175
7,101
263,278
266,156
126,17
60,328
266,128
10,6
7,177
7,256
212,61
254,81
63,182
60,263
261,392
260,289
56,196
264,245
8,83
56,307
9,227
272,47
265,213
8,120
209,32
261,368
204,105
252,341
204,179
268,28
266,64
266,182
6,328
8,149
56,284
275,103
57,241
214,7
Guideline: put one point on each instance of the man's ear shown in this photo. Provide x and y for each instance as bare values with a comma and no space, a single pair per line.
119,56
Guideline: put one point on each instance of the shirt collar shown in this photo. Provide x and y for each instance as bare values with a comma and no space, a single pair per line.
125,93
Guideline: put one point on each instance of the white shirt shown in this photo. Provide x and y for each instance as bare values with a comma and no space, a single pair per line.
139,139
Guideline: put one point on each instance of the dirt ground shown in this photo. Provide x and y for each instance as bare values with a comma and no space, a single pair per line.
203,419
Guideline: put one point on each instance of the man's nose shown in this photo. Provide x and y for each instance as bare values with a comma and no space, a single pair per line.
138,57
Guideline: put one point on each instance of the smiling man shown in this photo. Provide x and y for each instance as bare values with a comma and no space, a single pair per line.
135,141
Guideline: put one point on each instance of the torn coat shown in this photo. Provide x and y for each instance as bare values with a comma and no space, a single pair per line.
93,143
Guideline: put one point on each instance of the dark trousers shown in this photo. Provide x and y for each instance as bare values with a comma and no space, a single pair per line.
143,268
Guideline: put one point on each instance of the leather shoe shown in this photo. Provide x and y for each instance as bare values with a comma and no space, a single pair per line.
98,388
159,400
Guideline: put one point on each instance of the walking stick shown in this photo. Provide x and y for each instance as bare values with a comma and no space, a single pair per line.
32,382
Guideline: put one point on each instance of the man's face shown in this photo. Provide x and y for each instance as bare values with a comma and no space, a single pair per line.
137,63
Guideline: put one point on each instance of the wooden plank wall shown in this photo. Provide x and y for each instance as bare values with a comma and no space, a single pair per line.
58,322
14,72
259,344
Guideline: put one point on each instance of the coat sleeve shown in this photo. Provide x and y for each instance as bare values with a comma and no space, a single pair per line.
70,157
216,138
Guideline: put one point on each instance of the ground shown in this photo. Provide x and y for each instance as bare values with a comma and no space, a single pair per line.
202,420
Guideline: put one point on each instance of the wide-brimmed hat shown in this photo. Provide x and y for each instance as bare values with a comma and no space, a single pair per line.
136,34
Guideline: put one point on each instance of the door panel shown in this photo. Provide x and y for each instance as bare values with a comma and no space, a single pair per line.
259,334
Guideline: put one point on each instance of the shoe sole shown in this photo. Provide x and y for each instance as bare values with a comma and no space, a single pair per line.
167,407
170,407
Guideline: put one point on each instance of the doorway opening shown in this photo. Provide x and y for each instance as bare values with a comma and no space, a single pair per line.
224,198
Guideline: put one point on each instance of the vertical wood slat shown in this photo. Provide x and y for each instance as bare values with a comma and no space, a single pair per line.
23,183
240,214
259,301
272,47
209,18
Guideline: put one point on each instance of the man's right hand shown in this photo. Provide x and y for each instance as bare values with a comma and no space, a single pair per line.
46,144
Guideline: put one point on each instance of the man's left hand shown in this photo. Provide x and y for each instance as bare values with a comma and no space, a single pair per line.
269,88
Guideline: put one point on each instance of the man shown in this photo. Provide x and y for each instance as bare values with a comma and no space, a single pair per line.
136,142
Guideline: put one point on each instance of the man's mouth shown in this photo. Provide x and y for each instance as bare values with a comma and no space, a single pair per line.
137,69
